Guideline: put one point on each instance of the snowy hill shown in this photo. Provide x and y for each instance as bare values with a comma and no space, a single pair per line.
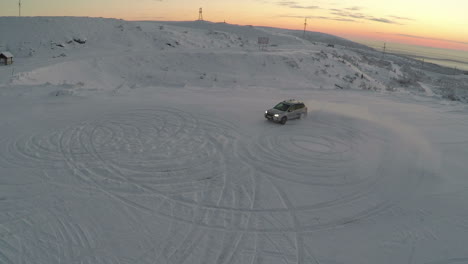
248,34
146,142
156,54
320,38
63,50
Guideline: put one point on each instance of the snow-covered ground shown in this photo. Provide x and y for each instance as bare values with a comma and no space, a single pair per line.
147,144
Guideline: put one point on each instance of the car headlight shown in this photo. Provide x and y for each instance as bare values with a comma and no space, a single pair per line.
276,115
266,112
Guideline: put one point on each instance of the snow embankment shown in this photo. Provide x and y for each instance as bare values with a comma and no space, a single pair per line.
97,54
109,54
314,70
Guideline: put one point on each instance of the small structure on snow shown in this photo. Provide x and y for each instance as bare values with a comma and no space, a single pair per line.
263,42
6,58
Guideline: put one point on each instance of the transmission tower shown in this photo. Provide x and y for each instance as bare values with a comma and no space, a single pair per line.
383,51
305,26
19,7
200,14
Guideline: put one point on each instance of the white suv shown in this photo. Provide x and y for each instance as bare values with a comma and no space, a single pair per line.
286,110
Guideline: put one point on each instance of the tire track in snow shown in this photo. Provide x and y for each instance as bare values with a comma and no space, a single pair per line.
190,240
7,248
204,176
299,239
89,149
450,261
38,151
72,238
187,174
328,157
331,161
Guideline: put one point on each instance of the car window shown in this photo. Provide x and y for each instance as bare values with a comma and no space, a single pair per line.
281,107
300,106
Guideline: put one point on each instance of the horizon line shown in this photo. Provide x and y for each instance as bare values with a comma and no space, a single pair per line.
292,29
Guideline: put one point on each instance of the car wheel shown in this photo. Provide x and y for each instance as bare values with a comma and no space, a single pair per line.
283,120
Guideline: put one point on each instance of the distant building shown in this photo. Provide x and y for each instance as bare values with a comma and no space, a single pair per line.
331,45
6,58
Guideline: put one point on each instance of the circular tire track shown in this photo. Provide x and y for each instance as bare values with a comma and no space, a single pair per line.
202,173
165,154
176,158
166,151
361,168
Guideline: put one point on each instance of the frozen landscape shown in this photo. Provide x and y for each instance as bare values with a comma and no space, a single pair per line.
145,142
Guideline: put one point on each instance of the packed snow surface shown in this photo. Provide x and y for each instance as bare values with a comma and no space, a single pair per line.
145,142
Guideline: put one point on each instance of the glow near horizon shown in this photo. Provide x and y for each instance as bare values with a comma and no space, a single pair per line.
419,22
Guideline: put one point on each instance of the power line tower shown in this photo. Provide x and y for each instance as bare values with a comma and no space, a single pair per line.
200,14
384,49
19,7
305,26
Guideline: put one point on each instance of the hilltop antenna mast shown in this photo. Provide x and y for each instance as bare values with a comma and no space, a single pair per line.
384,48
200,14
19,7
305,26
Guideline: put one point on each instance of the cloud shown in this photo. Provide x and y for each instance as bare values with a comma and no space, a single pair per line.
346,14
296,5
358,15
320,17
342,13
402,18
382,20
340,19
354,8
428,38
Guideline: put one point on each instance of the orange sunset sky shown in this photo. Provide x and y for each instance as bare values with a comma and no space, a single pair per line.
434,23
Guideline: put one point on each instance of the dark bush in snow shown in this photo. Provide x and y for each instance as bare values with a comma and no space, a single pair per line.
80,40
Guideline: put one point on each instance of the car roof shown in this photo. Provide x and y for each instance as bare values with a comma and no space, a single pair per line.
292,101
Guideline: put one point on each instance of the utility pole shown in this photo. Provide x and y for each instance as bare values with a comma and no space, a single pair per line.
305,26
19,7
384,48
200,14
